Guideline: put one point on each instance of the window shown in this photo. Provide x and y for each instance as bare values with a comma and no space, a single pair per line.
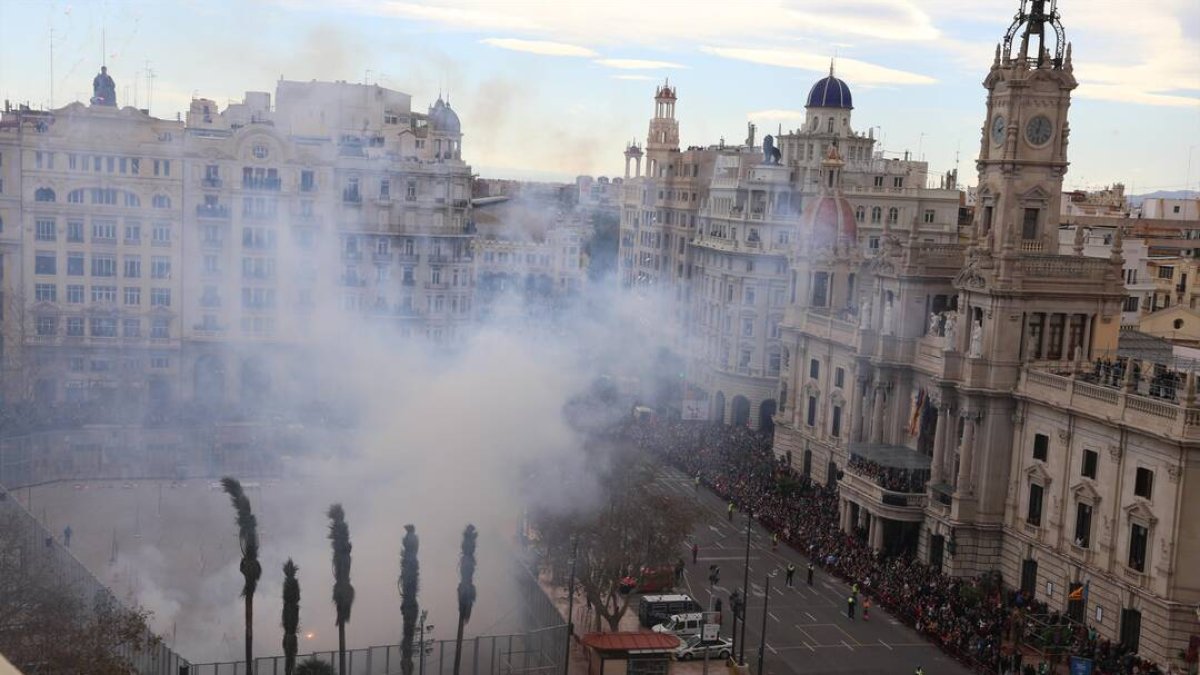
1143,484
835,428
898,182
211,265
132,200
893,215
133,234
1029,227
160,267
773,363
160,328
1083,525
160,297
104,266
1090,460
75,294
104,230
104,294
878,181
410,193
160,362
860,214
104,327
307,180
814,368
748,295
43,195
132,328
811,413
45,292
385,189
1033,514
1131,303
839,377
1041,446
259,151
162,167
1166,272
104,196
162,202
161,235
45,263
75,325
133,296
929,215
133,267
877,213
47,326
75,231
45,230
747,328
1138,535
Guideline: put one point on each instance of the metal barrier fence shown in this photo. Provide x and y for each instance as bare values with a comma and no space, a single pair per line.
484,655
51,558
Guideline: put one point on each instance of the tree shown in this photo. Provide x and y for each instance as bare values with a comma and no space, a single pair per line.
291,616
343,592
466,588
314,666
251,570
634,524
409,572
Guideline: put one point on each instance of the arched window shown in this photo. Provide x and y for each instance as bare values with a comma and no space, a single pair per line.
860,214
876,214
132,200
75,196
43,195
162,202
831,125
893,215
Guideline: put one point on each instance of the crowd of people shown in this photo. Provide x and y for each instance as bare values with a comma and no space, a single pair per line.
1160,383
973,619
888,477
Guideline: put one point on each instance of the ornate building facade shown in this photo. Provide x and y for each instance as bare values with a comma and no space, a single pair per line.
968,399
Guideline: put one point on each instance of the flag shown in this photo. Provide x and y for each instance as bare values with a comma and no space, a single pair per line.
1076,594
914,421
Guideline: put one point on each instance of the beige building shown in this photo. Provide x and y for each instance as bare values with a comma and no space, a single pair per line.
709,229
192,259
968,399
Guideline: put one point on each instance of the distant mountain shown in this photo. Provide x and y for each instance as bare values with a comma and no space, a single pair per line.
1164,194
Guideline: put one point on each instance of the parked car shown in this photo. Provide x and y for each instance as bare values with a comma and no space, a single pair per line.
655,609
695,647
682,625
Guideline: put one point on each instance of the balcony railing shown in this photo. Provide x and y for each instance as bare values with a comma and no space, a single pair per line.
211,182
212,211
265,184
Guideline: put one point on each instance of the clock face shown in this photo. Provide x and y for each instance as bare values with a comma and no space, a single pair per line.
998,127
1039,130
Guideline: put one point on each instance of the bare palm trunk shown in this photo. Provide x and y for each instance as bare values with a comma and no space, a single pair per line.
462,622
341,648
250,635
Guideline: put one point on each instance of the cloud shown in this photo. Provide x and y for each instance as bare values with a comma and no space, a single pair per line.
639,78
543,47
638,64
858,72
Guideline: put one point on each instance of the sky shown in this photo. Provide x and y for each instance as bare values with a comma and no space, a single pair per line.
548,89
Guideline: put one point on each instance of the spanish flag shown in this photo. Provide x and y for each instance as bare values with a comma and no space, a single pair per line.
914,420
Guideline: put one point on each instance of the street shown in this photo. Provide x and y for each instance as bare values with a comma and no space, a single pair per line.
807,627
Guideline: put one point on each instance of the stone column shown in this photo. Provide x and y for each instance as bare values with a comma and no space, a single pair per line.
877,415
939,444
967,456
856,422
843,515
1042,338
876,533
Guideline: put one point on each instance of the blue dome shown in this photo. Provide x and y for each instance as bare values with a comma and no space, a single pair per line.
830,92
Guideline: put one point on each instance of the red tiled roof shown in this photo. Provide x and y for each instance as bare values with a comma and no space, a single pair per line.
632,641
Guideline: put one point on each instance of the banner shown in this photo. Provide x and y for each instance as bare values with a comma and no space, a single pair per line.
695,409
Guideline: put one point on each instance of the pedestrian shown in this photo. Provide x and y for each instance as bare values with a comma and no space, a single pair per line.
730,511
850,607
774,541
791,572
679,567
854,589
697,482
67,536
717,607
866,609
919,671
695,552
810,573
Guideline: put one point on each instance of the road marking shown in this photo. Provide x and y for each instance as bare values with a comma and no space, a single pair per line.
885,645
811,617
771,648
727,557
772,615
847,645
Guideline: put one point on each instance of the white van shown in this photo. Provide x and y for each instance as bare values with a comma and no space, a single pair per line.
682,624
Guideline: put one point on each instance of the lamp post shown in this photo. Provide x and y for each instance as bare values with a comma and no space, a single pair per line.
570,608
762,642
425,646
745,591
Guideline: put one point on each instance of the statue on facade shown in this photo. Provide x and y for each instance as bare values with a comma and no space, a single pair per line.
864,317
771,153
976,340
951,331
889,327
935,323
104,90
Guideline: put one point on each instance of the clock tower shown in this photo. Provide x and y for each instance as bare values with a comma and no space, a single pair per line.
1021,304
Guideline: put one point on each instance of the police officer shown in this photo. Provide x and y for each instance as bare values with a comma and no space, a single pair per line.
791,572
850,607
810,573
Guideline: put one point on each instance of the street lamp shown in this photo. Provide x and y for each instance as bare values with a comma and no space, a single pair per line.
745,591
570,608
426,645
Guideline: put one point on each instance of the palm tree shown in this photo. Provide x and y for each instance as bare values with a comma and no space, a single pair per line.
314,666
343,592
251,570
409,572
466,588
291,616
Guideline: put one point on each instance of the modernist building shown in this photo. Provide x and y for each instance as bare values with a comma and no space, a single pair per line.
192,258
709,229
968,399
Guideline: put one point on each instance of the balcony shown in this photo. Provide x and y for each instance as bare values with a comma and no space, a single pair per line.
461,203
352,197
211,182
437,286
212,211
261,184
890,479
381,256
